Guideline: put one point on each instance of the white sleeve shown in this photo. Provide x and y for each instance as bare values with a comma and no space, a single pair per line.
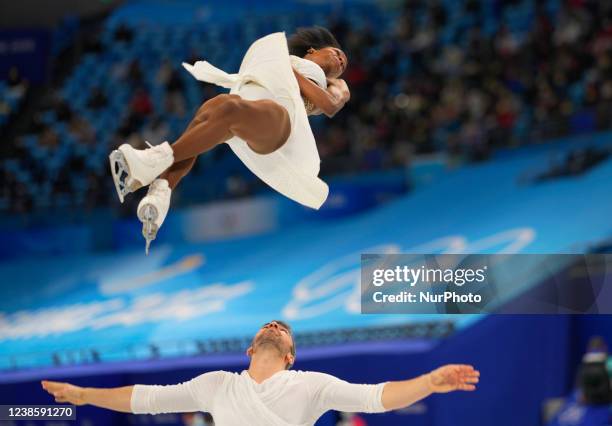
310,70
331,393
194,395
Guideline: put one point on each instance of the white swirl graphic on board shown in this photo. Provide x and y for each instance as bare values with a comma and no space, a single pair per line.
336,284
330,285
181,305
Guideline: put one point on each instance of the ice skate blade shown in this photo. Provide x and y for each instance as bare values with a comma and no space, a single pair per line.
147,215
124,183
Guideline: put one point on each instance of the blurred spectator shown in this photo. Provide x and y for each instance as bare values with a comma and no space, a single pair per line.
81,130
141,104
156,130
97,99
49,139
594,380
438,78
575,163
134,72
175,104
17,85
63,112
5,110
350,419
123,33
174,100
197,419
174,82
163,74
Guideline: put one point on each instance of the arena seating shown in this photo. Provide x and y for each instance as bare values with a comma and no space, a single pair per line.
403,100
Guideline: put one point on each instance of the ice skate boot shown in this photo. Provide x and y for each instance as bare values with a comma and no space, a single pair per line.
153,208
134,168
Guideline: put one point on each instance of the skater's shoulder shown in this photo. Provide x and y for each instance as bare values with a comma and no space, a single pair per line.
217,376
303,63
309,69
312,375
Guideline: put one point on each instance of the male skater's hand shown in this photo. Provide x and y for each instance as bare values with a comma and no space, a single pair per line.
453,377
65,392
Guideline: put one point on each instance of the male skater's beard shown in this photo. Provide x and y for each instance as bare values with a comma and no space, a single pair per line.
269,339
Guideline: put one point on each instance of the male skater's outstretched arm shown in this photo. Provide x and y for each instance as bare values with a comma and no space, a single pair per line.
299,397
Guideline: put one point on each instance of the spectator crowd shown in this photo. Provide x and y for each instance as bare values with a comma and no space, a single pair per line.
460,77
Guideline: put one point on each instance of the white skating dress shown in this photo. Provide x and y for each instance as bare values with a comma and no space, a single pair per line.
266,73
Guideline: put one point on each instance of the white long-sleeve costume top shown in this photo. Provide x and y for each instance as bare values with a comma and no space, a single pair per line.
288,398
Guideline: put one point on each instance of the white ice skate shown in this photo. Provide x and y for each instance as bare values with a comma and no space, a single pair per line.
134,168
153,208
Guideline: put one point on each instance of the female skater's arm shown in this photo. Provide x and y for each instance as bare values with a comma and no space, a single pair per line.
329,101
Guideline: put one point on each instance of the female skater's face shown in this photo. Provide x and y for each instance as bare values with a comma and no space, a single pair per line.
332,60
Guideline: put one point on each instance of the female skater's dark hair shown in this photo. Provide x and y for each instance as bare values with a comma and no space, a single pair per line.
307,37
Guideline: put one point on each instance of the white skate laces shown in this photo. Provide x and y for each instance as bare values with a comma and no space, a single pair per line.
132,168
153,208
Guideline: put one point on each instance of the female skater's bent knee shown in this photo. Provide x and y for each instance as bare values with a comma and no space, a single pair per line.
228,108
212,104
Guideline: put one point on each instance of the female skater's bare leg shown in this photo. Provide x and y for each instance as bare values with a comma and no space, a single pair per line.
263,124
179,170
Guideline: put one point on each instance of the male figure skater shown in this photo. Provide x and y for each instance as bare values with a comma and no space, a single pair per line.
268,393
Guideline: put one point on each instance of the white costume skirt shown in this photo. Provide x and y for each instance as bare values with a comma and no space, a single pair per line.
266,73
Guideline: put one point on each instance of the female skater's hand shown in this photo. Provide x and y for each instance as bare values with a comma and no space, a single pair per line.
328,101
65,392
453,377
339,88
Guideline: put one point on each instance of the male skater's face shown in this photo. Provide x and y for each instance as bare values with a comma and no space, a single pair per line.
274,335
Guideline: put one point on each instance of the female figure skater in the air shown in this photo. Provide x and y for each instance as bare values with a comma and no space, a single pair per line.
263,119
